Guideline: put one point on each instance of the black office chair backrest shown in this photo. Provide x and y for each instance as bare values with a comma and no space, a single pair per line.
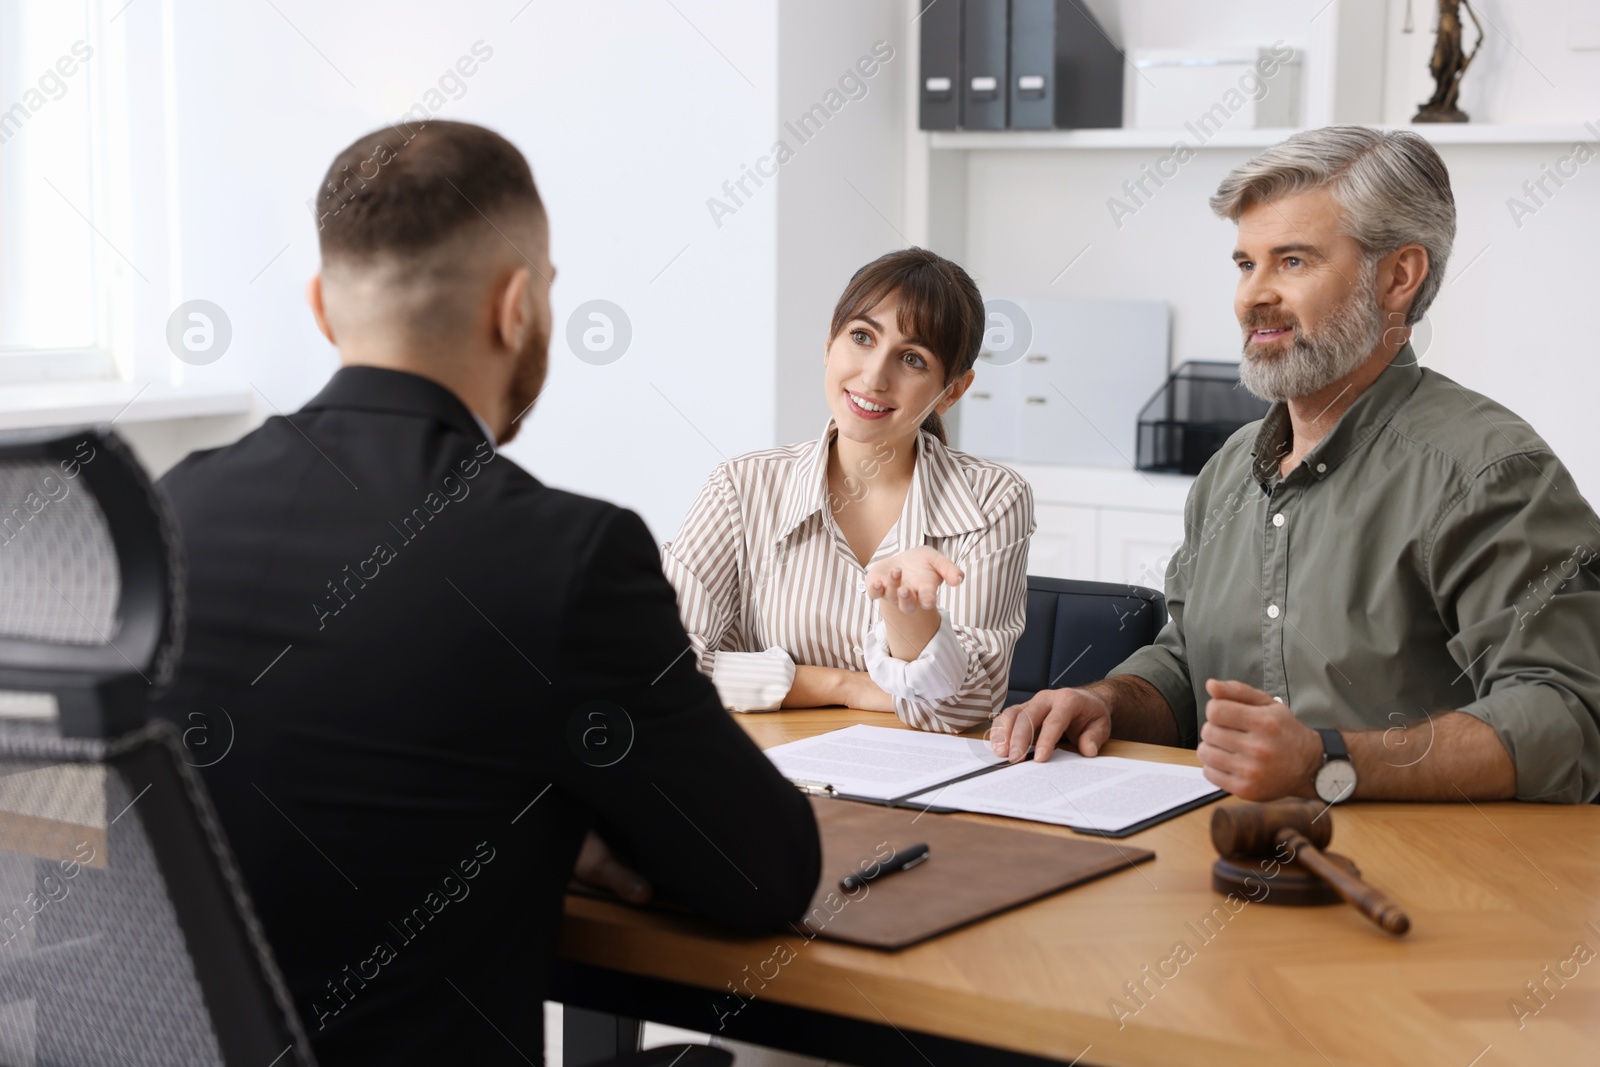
126,936
1076,632
91,579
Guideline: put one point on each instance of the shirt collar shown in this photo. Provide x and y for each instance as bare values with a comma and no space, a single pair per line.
363,388
1371,412
484,426
939,502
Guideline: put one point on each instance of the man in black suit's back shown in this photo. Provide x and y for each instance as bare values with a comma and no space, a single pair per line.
438,674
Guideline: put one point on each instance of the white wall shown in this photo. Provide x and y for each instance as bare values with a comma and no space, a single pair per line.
631,114
640,123
841,199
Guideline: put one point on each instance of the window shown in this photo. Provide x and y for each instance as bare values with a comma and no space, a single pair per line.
58,272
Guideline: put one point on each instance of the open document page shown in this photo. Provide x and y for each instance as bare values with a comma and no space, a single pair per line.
877,763
1106,794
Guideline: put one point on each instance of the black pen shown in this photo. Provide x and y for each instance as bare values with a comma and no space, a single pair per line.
903,859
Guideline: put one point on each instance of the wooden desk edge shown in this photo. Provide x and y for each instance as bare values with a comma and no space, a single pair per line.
680,948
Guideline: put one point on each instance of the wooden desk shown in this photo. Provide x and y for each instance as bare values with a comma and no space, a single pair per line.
1497,894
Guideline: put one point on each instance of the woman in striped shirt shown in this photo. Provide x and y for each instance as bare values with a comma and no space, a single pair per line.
875,567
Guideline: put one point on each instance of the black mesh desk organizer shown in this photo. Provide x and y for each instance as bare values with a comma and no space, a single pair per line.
126,935
1192,416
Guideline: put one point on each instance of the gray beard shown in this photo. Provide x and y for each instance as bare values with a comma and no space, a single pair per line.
1315,361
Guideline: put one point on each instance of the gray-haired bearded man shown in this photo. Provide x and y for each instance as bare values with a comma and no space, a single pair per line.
1387,587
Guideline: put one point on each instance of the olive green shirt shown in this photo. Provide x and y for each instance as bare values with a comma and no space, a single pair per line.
1430,554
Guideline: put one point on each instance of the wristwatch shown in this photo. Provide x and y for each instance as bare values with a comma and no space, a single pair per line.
1336,778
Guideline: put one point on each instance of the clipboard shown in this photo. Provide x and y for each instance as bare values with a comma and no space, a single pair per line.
949,766
820,786
1154,820
825,790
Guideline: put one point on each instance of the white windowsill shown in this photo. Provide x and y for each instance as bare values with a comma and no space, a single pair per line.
77,403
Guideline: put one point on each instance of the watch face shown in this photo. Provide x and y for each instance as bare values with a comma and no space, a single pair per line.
1336,781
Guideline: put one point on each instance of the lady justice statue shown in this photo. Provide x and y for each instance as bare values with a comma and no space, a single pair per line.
1449,63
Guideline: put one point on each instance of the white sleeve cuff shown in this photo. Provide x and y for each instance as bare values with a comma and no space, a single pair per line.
753,681
936,674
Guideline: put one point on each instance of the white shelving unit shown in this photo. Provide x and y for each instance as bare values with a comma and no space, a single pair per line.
1104,524
1059,140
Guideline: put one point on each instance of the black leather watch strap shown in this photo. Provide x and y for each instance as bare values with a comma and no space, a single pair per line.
1333,746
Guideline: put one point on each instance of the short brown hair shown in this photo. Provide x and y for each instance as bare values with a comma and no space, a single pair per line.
939,305
405,189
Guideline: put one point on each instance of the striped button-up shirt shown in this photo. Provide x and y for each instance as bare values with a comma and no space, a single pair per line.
760,565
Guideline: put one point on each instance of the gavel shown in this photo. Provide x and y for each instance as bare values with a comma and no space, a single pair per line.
1249,831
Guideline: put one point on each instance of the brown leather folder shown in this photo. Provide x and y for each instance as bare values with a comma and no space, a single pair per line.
973,871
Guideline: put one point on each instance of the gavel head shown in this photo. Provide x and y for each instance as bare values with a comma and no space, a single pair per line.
1241,831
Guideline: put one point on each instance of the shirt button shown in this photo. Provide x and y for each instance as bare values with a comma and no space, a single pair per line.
1272,611
1277,520
861,585
1322,468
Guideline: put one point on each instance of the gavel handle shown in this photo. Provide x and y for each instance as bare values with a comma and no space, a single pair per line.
1367,900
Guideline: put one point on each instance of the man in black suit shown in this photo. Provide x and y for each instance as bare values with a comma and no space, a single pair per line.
440,673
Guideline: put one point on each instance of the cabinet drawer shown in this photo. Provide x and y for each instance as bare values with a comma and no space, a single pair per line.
1137,546
1063,544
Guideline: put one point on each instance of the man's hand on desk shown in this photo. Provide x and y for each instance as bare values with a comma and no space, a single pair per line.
1124,705
1253,746
599,867
1081,717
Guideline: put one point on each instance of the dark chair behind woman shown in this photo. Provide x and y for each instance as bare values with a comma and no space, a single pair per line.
1077,632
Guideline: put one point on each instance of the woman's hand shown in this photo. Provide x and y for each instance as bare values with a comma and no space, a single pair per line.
911,580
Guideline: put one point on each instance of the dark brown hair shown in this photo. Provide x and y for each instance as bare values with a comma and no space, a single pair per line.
940,306
405,189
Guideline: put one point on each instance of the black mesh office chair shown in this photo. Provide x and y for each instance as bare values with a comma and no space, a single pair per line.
1076,632
126,936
